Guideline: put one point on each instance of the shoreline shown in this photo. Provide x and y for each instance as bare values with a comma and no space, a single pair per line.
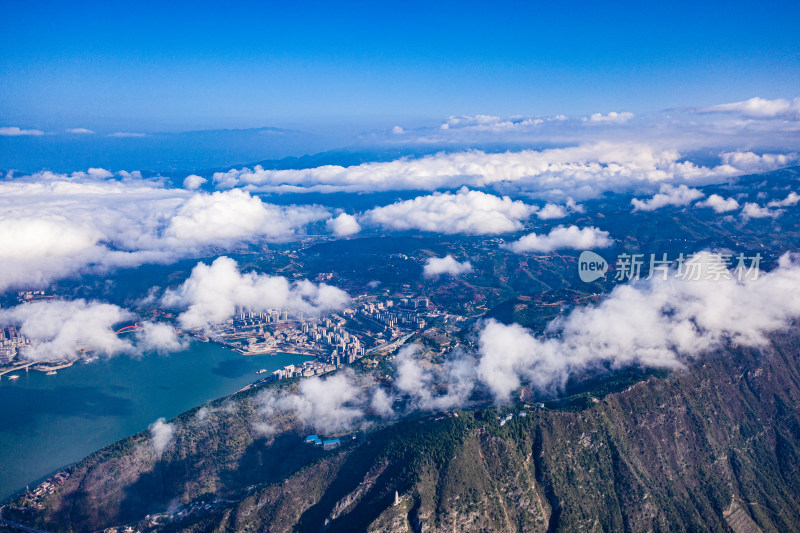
52,366
15,368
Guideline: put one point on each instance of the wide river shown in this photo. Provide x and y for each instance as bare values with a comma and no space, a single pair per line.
47,422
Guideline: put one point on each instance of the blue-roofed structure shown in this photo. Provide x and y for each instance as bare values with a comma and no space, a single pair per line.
331,444
313,439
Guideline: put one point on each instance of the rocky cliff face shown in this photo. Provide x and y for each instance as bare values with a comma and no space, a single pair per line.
713,446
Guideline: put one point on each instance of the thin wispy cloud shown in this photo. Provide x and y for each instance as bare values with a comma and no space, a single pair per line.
760,108
14,131
126,134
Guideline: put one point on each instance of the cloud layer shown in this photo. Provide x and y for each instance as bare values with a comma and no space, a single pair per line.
581,172
54,225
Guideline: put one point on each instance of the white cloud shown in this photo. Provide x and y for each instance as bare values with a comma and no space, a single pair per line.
753,210
161,435
14,131
398,130
160,338
382,403
418,379
126,134
668,195
343,225
791,200
562,237
654,323
193,182
553,211
235,216
495,124
469,212
55,225
328,405
760,108
212,293
80,131
57,329
748,162
435,266
580,172
612,117
719,204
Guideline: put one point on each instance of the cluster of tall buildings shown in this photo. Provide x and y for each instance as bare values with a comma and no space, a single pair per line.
391,316
345,348
10,342
306,370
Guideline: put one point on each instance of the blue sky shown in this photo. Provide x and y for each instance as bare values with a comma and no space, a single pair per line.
149,66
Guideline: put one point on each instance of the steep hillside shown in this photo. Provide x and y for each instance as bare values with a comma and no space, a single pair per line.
718,441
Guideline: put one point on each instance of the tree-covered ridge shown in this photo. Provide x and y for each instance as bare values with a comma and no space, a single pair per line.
667,453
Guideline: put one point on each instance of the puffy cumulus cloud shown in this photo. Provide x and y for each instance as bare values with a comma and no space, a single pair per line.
719,204
343,225
754,163
435,266
761,108
469,212
562,237
581,172
54,225
654,323
791,200
613,117
506,356
327,405
57,329
162,434
419,381
193,182
160,338
212,293
753,210
235,216
553,211
668,195
14,131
